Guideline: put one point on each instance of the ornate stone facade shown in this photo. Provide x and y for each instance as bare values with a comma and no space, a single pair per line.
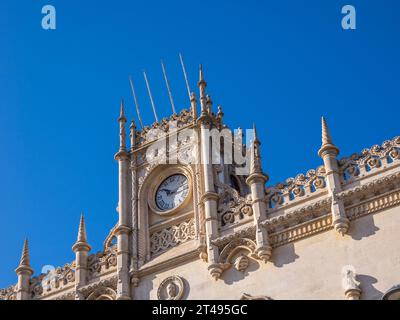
300,239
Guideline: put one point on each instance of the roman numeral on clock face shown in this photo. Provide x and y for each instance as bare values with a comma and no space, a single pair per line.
172,192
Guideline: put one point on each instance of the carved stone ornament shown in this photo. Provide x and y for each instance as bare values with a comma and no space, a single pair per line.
171,288
350,285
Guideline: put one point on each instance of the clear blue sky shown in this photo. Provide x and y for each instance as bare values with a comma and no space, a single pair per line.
281,64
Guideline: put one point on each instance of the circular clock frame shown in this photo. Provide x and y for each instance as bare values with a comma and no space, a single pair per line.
164,174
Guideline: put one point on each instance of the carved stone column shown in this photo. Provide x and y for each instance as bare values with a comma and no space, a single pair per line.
209,198
329,152
123,230
256,181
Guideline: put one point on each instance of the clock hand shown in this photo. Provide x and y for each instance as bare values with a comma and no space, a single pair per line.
167,191
176,190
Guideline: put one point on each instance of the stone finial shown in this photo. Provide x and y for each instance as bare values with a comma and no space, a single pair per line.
209,104
350,285
81,243
326,135
193,105
255,161
122,153
204,99
256,140
202,82
122,112
327,144
24,264
255,165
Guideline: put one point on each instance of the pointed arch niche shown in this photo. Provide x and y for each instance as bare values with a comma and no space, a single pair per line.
161,231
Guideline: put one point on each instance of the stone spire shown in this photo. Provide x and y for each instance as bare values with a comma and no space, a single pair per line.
255,156
81,243
327,144
24,263
256,181
193,105
328,152
203,96
24,273
122,121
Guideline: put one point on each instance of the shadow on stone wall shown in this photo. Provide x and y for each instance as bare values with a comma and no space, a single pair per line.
363,228
232,275
284,255
368,291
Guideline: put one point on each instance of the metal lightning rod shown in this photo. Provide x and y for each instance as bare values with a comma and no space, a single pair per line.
151,97
136,104
167,84
184,74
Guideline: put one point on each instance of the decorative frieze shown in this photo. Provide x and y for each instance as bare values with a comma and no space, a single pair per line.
373,205
301,231
172,236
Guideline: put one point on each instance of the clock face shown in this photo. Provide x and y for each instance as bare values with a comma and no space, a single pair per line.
172,192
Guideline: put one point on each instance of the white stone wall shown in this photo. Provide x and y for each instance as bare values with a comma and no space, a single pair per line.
306,269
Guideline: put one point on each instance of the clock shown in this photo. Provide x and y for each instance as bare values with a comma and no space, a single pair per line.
172,192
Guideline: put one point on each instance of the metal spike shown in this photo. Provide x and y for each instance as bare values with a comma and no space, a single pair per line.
167,84
185,75
136,103
151,97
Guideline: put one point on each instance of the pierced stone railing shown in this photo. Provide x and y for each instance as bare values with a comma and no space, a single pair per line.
294,189
53,281
182,119
101,262
369,160
9,293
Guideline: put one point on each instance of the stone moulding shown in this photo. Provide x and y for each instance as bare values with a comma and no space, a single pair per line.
301,231
370,206
373,185
246,232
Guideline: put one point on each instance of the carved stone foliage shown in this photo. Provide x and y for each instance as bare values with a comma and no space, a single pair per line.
52,281
180,120
172,236
101,262
104,289
369,159
296,188
171,288
108,242
103,293
8,293
232,208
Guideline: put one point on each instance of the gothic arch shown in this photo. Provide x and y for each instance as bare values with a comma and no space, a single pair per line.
234,247
103,293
